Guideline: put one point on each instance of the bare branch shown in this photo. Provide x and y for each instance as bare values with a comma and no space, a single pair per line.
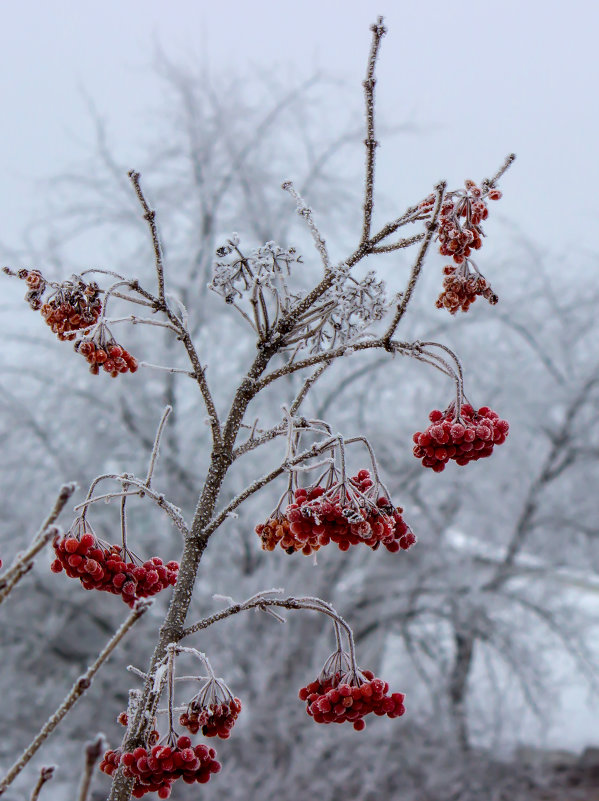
378,31
93,751
45,775
150,217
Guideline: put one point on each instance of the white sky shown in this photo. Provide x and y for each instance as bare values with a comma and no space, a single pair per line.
480,78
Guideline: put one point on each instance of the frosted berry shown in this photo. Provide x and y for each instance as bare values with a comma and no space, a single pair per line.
349,697
156,768
468,438
108,568
347,515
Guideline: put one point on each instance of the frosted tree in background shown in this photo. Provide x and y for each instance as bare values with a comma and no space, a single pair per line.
297,330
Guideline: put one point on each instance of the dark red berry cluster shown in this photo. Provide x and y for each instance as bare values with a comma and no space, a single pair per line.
342,698
100,567
74,306
465,439
215,720
113,358
345,515
461,287
156,769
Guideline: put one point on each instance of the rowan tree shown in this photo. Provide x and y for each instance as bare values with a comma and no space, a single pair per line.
297,329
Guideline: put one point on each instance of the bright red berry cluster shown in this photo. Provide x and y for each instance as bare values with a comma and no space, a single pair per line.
461,287
113,358
343,515
102,568
465,439
342,698
215,720
156,769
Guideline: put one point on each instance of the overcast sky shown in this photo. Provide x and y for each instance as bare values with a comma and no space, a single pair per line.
479,78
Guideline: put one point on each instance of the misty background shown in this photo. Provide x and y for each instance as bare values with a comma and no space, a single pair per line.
491,656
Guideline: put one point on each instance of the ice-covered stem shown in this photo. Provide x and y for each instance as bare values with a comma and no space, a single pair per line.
417,266
23,562
489,183
93,751
378,31
125,478
156,446
150,217
79,687
160,304
45,775
259,601
306,212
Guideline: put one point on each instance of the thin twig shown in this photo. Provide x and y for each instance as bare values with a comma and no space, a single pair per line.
93,750
150,217
417,267
45,775
306,212
378,31
24,562
167,369
156,446
77,690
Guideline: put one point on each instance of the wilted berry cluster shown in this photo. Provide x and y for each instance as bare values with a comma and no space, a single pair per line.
156,768
215,720
74,305
350,697
113,358
103,568
461,287
465,439
346,514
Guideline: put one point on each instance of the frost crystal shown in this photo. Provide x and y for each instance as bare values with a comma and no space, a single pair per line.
257,285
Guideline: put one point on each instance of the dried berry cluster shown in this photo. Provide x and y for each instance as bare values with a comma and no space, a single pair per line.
341,698
156,769
113,358
465,439
102,568
343,514
461,287
74,305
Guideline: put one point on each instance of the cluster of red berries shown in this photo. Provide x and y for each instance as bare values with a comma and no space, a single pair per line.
157,768
465,439
458,236
74,306
103,568
318,517
215,720
461,288
337,699
113,358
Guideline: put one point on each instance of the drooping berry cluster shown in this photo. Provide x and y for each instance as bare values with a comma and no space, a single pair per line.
156,769
461,287
113,358
102,567
74,305
346,514
459,233
350,697
459,220
466,438
215,720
